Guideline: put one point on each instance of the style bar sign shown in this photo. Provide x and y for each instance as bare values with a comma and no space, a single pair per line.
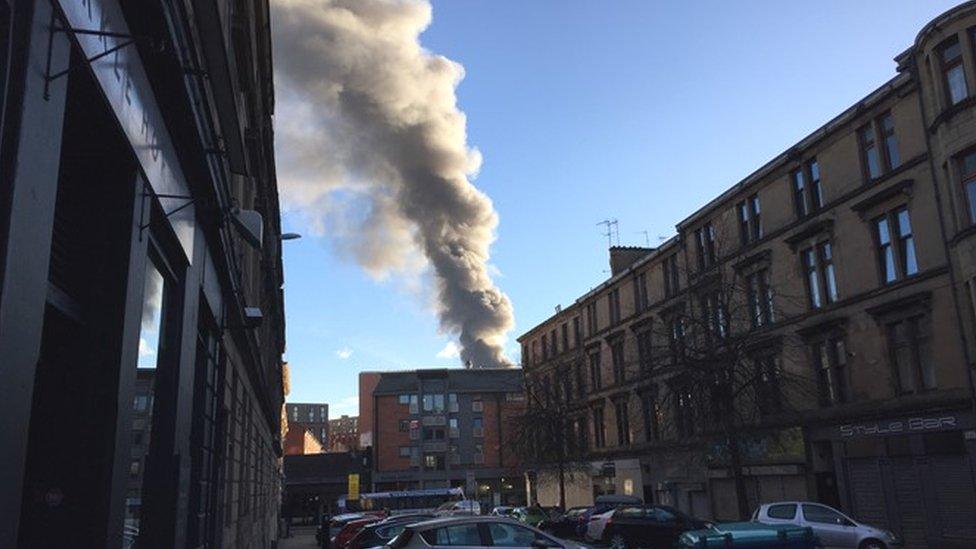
905,426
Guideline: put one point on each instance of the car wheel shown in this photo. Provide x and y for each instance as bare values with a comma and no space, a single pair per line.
617,541
872,544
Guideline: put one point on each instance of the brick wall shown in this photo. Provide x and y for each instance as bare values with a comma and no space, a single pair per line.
388,438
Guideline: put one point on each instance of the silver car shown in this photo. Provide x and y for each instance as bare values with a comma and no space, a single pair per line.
471,532
832,528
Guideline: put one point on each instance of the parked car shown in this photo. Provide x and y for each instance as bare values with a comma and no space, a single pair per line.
749,535
565,525
328,530
532,515
484,531
832,528
501,511
461,507
381,532
603,504
641,526
351,529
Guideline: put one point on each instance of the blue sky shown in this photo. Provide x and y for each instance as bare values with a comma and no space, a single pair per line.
636,110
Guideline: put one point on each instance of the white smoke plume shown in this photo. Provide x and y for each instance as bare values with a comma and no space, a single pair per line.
372,149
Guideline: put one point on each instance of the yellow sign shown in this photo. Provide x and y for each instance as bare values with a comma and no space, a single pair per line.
353,490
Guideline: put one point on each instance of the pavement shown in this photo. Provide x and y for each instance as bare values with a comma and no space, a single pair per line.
301,536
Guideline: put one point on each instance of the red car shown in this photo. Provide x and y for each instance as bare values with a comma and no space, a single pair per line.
350,530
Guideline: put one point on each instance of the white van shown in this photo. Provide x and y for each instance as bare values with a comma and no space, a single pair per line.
459,508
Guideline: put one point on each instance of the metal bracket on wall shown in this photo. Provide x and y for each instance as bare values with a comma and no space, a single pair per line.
143,224
58,26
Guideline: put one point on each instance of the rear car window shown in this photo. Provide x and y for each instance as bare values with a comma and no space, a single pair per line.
459,534
822,515
784,511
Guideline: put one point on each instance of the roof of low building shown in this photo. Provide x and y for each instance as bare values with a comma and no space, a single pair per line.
474,380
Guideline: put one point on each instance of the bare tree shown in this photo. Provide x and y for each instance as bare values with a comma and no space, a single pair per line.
720,357
544,437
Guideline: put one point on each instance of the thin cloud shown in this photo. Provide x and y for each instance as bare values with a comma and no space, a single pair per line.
344,353
451,350
348,406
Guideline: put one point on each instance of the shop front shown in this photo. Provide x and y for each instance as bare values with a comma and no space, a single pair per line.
911,474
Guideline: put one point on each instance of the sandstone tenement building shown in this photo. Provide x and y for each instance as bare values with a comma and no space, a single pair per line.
857,252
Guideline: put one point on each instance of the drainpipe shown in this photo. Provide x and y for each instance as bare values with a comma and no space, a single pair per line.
945,238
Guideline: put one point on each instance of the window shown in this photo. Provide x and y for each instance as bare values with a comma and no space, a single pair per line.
580,383
713,311
613,302
705,237
405,451
140,403
652,417
477,423
830,360
677,339
623,422
582,434
617,356
545,347
640,292
909,348
596,380
670,267
760,296
461,534
565,333
134,467
553,344
896,259
684,414
577,334
750,222
512,535
433,433
822,515
818,265
877,160
768,395
967,169
785,511
434,462
886,126
599,428
953,75
591,326
807,192
869,152
452,423
645,350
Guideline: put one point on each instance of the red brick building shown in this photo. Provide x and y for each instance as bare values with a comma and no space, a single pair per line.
343,434
367,383
299,440
443,428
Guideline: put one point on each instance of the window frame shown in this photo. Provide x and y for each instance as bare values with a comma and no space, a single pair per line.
946,67
897,246
967,182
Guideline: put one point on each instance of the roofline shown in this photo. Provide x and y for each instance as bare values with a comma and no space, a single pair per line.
793,153
662,249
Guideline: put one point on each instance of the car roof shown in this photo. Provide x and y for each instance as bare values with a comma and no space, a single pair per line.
449,521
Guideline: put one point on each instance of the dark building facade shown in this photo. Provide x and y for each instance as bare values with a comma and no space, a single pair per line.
315,482
446,428
313,417
141,311
854,253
